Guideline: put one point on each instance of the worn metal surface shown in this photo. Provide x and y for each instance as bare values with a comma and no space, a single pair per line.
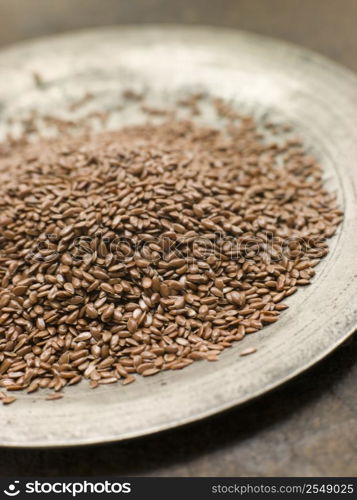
262,76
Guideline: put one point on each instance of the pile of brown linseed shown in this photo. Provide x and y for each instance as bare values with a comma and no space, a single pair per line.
148,248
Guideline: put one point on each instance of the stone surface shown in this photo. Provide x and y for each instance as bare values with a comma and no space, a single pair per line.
310,426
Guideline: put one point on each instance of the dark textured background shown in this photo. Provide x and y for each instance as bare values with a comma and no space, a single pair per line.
307,428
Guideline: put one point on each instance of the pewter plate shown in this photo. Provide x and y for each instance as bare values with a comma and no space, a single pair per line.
264,77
